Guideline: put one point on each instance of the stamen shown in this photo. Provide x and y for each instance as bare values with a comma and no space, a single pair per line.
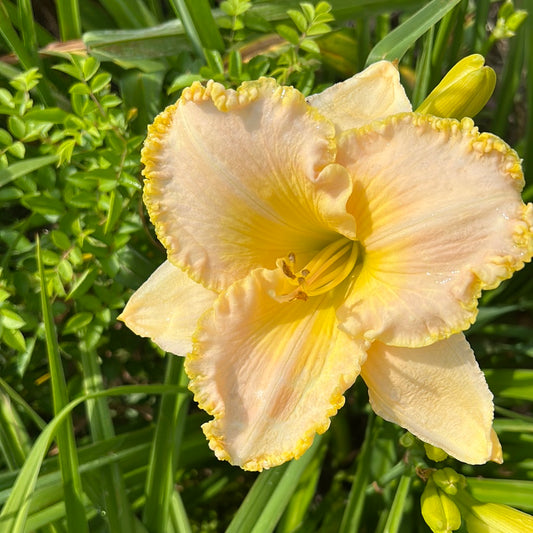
324,272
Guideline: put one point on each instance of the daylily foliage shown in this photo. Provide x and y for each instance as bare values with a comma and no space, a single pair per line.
310,241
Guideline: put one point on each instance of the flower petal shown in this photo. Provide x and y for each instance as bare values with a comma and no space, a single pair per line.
439,217
373,94
237,179
270,373
167,307
438,393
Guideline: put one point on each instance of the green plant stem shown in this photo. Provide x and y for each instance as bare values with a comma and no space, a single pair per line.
394,519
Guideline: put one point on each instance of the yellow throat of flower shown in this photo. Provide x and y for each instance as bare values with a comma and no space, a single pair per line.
324,272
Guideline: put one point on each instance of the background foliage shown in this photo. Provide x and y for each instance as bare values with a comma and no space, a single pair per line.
79,82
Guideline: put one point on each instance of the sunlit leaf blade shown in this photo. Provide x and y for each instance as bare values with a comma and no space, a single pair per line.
264,504
68,457
160,497
397,42
15,511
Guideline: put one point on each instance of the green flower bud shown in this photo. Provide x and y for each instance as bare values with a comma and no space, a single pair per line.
463,92
438,510
434,453
449,481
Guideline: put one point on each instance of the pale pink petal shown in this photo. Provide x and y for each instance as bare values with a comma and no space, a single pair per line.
167,307
439,218
237,179
438,393
373,94
272,374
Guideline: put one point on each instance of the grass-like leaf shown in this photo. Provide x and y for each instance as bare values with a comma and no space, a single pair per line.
68,16
68,458
160,496
14,513
199,24
270,494
399,40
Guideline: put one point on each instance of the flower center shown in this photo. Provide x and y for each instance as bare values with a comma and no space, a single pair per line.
325,271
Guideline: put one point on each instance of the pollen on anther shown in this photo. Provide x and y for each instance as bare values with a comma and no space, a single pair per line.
287,270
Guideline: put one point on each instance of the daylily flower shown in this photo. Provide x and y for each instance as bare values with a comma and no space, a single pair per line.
312,241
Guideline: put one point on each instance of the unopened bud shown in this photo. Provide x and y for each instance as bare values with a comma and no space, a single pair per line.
438,510
463,92
434,453
449,481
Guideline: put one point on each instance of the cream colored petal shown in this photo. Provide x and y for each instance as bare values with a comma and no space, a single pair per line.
439,217
373,94
236,179
272,374
167,307
438,393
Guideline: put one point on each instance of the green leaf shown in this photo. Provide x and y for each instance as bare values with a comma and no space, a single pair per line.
10,319
165,452
270,494
69,69
6,98
319,29
214,61
68,15
14,339
90,68
114,212
110,100
14,513
398,41
182,81
50,114
511,383
16,126
77,322
5,137
83,283
514,492
17,149
68,457
79,88
299,19
199,24
288,33
60,239
100,81
44,204
235,64
23,168
310,46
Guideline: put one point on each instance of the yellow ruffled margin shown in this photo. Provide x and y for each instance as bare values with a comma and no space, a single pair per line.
199,385
225,100
499,268
266,461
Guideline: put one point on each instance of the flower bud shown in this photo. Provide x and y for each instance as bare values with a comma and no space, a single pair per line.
438,510
434,453
449,481
463,92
